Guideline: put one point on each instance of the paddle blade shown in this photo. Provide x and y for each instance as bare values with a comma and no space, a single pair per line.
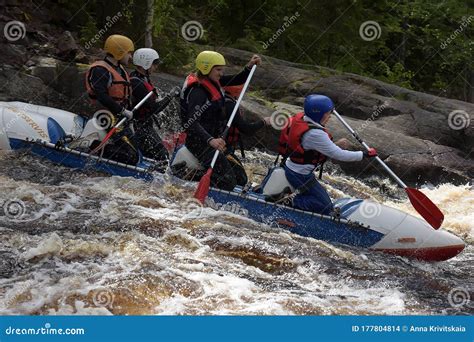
427,209
203,186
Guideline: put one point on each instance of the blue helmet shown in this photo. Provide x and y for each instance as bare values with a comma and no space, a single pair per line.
315,106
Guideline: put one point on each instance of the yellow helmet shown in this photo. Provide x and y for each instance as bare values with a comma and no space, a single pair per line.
206,60
118,46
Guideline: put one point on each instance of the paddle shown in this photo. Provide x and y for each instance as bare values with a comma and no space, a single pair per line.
205,182
120,123
422,204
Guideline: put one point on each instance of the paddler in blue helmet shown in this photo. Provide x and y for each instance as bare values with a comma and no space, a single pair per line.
306,144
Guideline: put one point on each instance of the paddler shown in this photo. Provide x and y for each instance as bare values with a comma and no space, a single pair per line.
146,119
307,144
204,116
108,83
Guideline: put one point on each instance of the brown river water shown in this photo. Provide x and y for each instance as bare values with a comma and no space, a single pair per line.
87,243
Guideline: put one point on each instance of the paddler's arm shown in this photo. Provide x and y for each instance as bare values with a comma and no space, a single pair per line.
318,140
241,77
161,105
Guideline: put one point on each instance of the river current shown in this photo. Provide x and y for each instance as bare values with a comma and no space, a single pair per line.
87,243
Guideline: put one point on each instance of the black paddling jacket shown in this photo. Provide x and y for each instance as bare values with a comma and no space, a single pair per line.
141,86
203,112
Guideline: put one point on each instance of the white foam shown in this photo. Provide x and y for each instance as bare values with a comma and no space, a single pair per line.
52,245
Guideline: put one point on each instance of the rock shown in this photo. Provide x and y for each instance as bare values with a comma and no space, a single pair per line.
13,54
50,82
255,109
414,113
414,160
166,82
28,88
67,47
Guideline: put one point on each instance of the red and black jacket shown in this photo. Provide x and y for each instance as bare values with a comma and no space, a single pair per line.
290,142
203,114
141,86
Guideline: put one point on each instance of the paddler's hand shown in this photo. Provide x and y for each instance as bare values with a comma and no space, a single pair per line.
218,144
127,113
254,60
267,121
370,153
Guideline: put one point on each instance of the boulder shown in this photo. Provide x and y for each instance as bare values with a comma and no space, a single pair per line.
415,160
440,120
63,78
68,49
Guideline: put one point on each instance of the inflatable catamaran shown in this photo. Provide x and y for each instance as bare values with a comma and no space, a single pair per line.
357,222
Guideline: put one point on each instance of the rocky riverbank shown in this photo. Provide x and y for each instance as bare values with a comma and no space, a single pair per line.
424,138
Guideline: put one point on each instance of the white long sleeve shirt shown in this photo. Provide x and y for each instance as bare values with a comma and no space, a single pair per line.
317,139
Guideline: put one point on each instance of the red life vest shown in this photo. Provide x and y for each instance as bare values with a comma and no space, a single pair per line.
214,93
233,136
290,142
119,90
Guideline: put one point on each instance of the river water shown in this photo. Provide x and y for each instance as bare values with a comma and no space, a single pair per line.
86,243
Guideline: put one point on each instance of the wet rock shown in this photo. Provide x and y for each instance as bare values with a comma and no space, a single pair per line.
81,57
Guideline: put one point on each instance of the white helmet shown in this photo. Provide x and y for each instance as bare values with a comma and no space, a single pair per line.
145,57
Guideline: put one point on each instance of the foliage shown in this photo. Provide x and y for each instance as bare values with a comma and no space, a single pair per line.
422,45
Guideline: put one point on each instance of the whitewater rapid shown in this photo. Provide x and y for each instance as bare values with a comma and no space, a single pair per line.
87,243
